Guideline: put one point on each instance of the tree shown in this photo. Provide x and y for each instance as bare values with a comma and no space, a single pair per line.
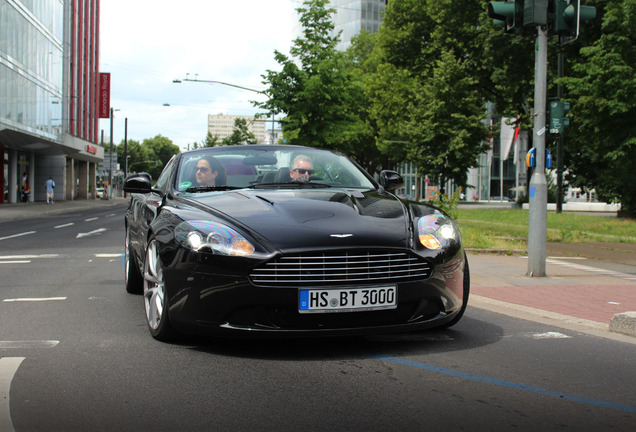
136,154
160,149
601,143
323,99
428,99
240,134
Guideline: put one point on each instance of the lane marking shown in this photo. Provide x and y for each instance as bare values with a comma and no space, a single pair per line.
603,272
8,368
90,219
15,262
2,257
28,344
17,235
105,255
34,299
508,384
92,233
65,225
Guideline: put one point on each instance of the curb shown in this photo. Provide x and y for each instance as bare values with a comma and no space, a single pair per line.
624,323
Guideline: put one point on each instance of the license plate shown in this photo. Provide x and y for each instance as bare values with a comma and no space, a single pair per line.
347,299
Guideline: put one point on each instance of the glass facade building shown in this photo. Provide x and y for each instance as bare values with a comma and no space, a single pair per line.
353,16
48,97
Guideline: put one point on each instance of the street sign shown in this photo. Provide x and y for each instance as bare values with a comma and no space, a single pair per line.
531,158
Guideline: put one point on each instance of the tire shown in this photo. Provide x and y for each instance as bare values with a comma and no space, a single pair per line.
460,314
155,296
132,277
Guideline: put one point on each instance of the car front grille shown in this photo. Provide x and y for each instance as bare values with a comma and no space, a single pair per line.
341,268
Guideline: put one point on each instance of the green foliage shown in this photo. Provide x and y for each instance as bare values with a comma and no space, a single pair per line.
601,142
448,204
322,92
142,156
427,100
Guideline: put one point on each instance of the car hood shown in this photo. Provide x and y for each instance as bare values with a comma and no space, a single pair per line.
324,218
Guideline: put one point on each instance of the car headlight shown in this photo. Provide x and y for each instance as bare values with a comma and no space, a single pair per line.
219,238
436,231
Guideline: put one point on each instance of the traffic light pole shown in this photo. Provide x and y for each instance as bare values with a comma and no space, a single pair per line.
537,224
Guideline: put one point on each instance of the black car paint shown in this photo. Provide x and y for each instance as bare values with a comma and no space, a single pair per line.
207,292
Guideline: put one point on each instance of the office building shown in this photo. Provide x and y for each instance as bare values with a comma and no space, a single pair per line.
222,126
49,75
353,16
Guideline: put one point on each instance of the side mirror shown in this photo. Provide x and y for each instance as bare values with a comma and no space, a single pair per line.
138,184
391,180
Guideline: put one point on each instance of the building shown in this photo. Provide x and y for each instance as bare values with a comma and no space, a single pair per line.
222,126
353,16
49,76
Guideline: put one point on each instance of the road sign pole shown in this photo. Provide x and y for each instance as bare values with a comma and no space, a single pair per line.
537,224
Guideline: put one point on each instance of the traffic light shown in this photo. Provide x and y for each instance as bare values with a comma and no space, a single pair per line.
558,119
567,16
535,12
508,13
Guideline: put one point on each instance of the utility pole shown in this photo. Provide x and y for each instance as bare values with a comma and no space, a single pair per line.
537,223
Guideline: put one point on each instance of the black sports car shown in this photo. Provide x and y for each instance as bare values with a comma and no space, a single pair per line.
287,240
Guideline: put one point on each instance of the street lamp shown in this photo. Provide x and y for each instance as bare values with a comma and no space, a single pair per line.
178,81
110,172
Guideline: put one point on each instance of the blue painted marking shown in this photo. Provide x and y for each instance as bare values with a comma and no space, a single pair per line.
533,190
509,384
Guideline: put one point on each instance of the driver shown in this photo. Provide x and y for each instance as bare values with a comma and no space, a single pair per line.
302,169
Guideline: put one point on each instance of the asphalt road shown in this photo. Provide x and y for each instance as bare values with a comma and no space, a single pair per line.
75,354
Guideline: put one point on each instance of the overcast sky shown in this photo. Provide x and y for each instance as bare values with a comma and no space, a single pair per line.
146,44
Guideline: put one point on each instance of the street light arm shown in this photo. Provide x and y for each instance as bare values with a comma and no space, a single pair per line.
219,82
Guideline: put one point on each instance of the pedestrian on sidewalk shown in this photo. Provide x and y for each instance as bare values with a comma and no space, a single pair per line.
50,188
25,189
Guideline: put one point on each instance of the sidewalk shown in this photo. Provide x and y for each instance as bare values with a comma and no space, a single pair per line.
18,211
577,293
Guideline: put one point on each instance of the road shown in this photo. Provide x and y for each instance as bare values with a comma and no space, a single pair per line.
75,354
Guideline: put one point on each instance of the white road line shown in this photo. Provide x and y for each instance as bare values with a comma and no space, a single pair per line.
8,368
91,233
17,235
28,344
65,225
3,257
15,262
34,299
592,269
117,255
90,219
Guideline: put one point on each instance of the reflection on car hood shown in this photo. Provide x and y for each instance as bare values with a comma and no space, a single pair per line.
325,218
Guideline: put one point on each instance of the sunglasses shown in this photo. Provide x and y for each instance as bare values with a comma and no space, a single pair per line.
304,171
203,169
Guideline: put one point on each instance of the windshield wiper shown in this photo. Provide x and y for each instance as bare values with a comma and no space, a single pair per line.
290,185
210,188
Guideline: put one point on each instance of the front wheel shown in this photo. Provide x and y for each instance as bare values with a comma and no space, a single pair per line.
155,295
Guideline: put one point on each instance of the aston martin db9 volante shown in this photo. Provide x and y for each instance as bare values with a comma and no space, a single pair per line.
287,240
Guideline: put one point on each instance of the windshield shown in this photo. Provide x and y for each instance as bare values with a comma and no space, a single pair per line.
266,167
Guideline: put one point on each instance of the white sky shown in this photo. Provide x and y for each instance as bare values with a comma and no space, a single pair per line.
146,44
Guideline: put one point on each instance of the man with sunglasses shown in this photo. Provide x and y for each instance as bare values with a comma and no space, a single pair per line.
302,169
